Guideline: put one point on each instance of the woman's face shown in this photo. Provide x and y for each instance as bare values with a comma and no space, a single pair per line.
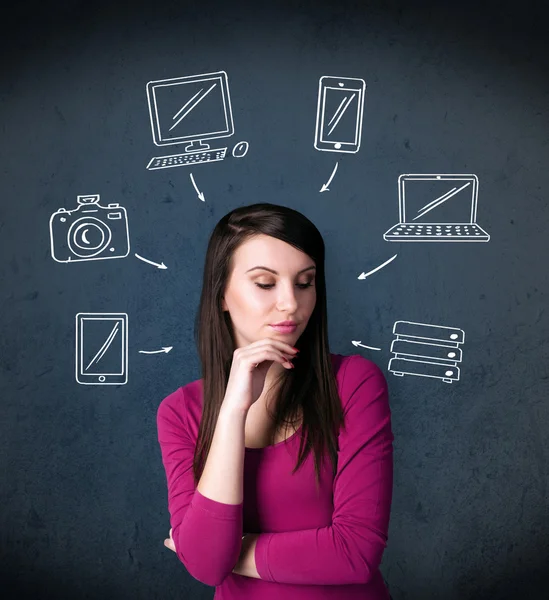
289,295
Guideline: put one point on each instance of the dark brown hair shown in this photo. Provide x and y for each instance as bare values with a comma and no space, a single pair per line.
311,385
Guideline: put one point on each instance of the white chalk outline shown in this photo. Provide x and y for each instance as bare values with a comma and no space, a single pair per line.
240,153
364,275
406,230
67,227
448,337
355,85
101,379
198,192
220,77
359,343
196,150
325,186
164,350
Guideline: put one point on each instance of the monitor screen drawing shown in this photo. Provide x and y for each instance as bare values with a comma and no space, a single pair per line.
190,109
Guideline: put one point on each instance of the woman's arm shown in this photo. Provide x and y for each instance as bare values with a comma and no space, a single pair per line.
222,479
246,562
197,519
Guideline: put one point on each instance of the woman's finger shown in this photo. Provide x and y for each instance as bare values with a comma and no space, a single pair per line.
169,543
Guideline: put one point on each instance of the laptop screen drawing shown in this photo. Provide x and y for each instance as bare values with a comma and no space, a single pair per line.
438,200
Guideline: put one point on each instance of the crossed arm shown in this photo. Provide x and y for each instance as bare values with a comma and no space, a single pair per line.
246,562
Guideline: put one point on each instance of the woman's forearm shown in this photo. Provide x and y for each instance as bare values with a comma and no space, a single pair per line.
222,479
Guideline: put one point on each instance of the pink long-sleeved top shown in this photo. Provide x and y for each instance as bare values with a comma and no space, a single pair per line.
310,547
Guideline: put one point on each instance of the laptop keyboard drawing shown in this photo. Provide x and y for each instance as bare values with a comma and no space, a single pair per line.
437,208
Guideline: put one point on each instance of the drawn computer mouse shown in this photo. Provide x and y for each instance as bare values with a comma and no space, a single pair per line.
240,149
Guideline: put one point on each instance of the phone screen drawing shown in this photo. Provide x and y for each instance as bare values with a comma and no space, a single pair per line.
339,114
102,348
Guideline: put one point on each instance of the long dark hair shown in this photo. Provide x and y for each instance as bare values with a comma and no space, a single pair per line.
311,386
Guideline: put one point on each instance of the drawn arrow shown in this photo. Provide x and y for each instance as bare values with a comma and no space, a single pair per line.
364,275
200,194
160,266
325,188
363,346
165,349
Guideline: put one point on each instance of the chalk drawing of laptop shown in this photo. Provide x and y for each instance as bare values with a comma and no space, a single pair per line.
437,208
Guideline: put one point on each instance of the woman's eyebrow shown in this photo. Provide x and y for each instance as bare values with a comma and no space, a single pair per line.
276,273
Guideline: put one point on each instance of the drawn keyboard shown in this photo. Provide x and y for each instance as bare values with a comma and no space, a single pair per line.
187,158
453,230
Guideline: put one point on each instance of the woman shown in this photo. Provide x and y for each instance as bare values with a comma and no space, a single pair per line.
274,408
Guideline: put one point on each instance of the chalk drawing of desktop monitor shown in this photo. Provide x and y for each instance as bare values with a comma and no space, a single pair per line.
437,208
189,110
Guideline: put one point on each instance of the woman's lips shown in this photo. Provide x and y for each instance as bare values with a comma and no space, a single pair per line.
284,328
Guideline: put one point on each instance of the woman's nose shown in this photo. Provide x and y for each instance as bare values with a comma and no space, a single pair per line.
287,299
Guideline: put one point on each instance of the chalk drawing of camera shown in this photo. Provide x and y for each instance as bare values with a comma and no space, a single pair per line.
89,232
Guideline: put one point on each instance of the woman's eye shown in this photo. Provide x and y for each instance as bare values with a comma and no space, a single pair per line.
267,286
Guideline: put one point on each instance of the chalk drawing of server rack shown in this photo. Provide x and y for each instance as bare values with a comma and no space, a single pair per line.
426,351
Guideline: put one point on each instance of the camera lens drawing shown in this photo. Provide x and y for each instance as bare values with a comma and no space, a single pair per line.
91,231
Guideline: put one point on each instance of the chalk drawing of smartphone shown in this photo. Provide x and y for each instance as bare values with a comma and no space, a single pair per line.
102,348
339,114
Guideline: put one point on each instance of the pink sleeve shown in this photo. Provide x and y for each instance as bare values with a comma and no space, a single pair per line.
348,551
207,534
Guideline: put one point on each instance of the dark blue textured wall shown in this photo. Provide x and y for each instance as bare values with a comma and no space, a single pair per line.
461,89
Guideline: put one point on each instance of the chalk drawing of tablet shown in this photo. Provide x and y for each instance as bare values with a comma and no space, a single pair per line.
339,114
102,348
